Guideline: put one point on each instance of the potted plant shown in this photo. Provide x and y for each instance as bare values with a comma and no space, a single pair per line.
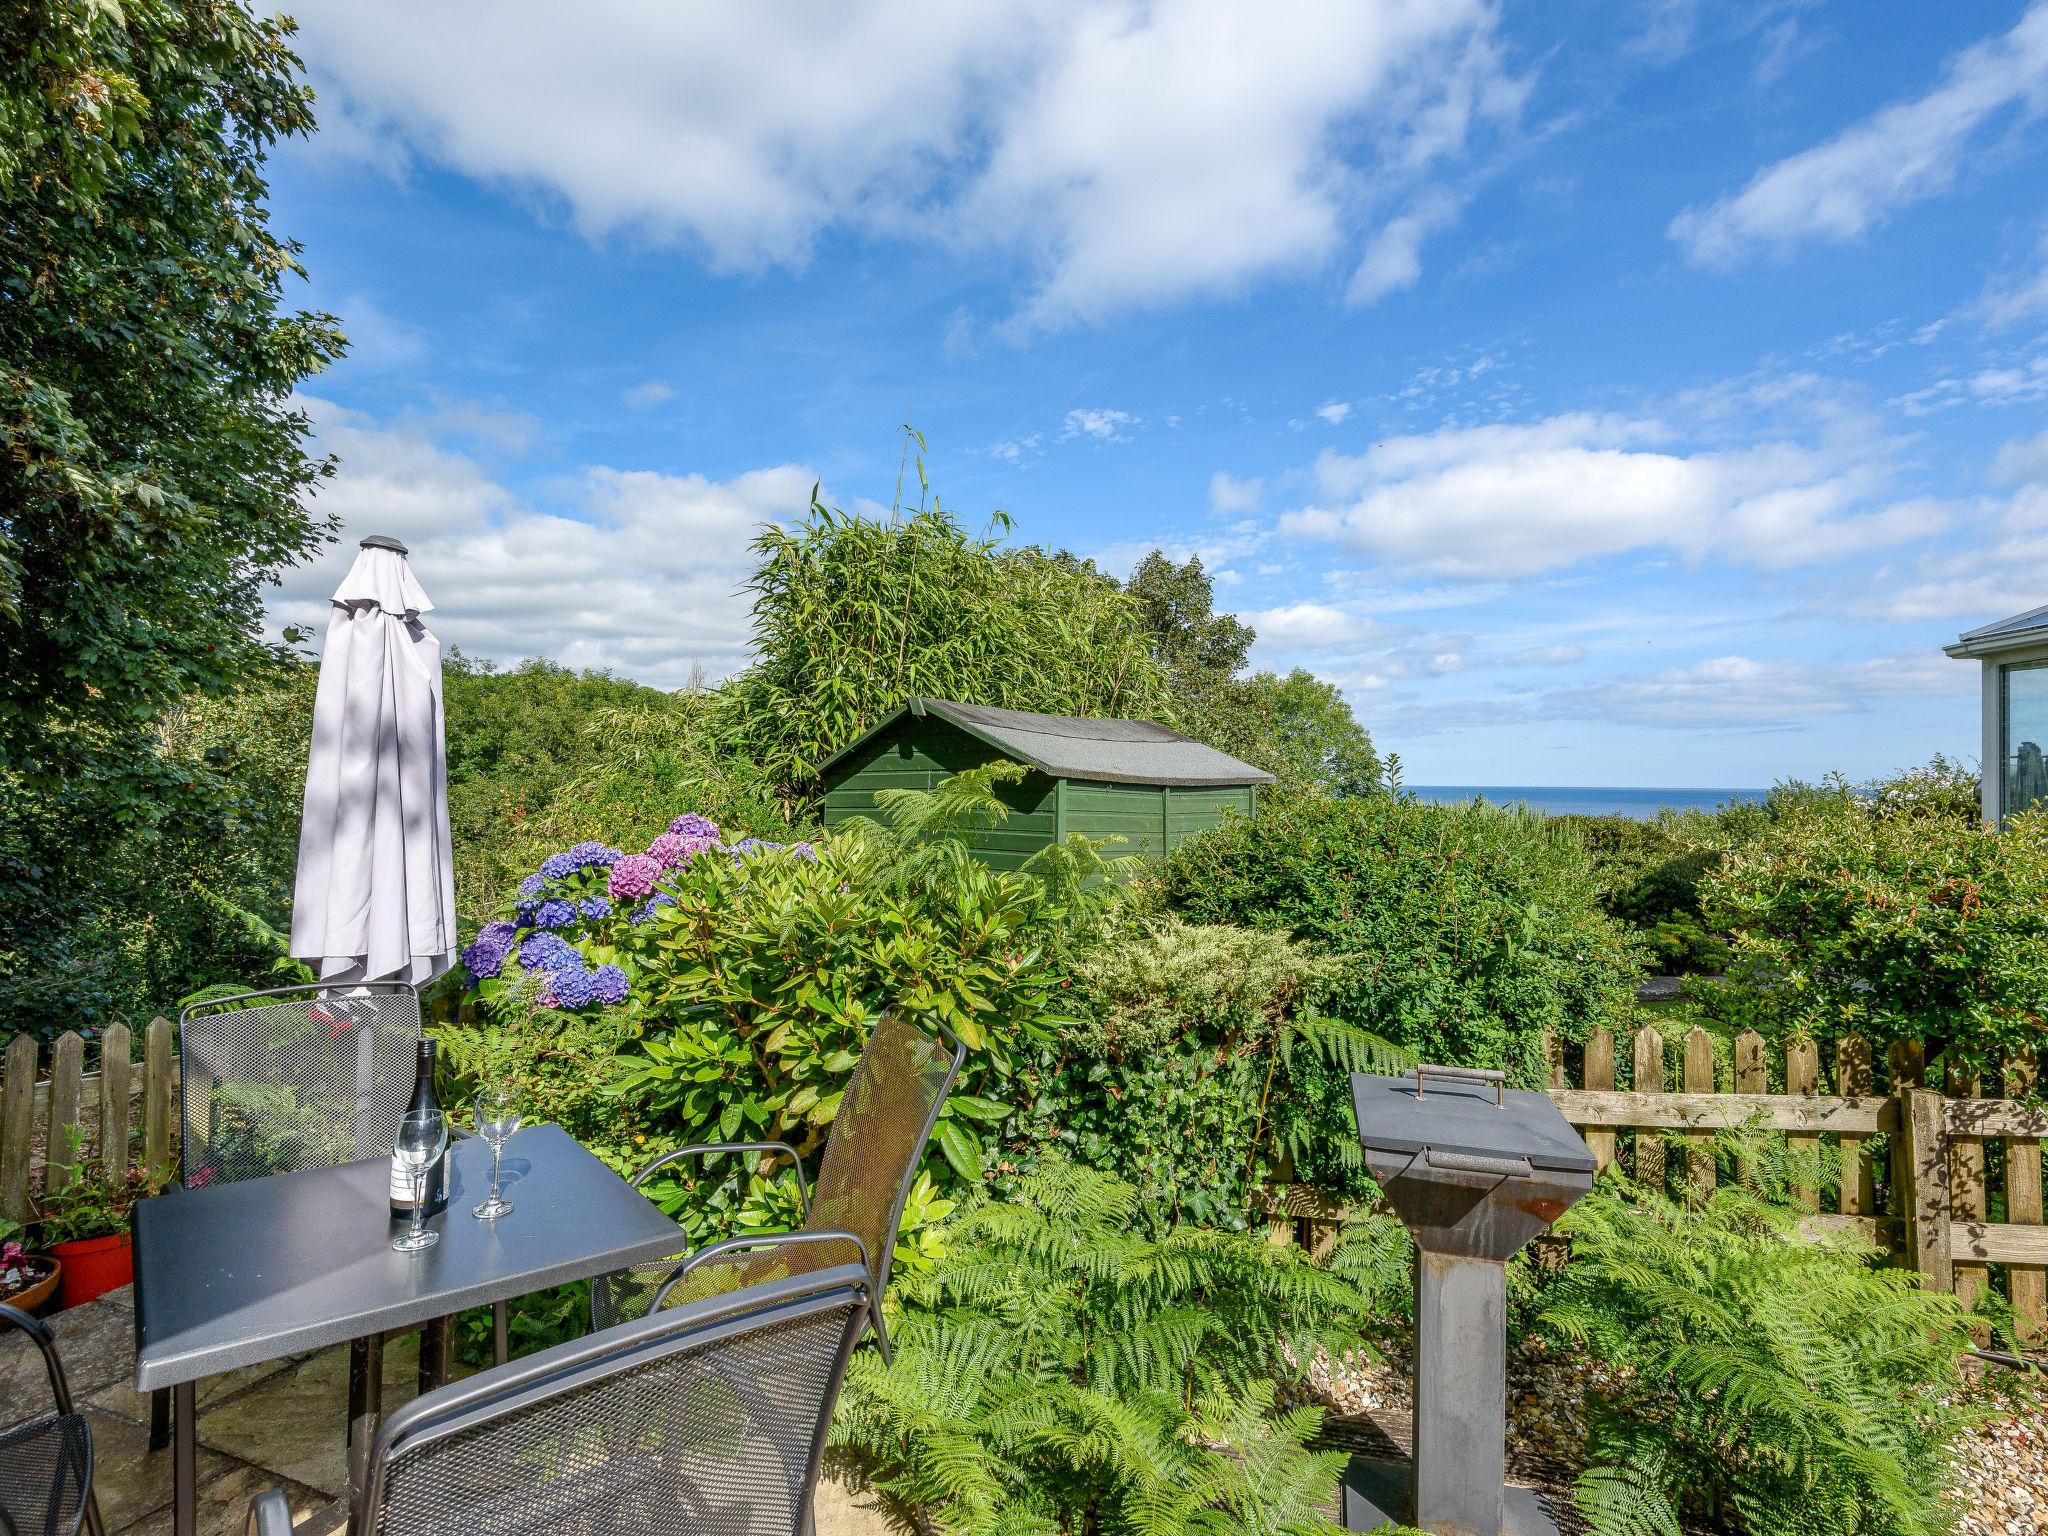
26,1279
85,1225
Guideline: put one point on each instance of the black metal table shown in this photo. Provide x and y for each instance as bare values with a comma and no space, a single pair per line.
236,1274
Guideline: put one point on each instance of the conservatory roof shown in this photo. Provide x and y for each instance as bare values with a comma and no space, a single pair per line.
1077,747
2022,630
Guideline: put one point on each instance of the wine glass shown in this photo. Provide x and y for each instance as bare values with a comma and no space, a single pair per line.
497,1117
422,1138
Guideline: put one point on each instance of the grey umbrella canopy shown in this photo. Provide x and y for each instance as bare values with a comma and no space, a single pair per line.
375,896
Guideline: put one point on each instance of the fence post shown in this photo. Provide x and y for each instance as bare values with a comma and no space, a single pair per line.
1802,1077
1921,1174
1651,1161
67,1071
17,1126
159,1089
1751,1076
1966,1185
1600,1078
115,1074
2023,1206
1853,1081
1699,1078
1553,1059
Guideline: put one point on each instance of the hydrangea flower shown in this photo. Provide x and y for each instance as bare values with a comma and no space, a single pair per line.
600,855
559,866
554,914
500,934
609,985
486,957
690,824
573,988
548,952
673,848
525,914
660,899
633,876
594,907
748,845
801,851
533,885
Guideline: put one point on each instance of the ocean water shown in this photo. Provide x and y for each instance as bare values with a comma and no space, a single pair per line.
1586,800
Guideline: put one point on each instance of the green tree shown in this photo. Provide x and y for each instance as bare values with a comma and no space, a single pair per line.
153,473
1176,603
1305,734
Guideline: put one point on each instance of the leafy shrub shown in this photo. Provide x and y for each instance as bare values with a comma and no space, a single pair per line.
1461,932
1790,1385
1649,875
1059,1372
1901,926
1180,1072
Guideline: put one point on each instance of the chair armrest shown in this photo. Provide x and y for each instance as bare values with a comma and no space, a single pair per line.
270,1514
46,1342
708,1148
758,1240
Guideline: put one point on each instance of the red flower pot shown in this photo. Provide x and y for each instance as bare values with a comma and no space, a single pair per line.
92,1267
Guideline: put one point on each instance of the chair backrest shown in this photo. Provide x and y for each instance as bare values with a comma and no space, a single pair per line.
295,1077
879,1135
708,1418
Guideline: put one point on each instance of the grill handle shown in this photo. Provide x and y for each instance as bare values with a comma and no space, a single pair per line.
1462,1162
1490,1077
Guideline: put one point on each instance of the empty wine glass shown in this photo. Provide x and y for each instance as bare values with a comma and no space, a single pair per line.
422,1138
497,1117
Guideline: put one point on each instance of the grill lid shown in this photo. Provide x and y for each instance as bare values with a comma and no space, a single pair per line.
1462,1119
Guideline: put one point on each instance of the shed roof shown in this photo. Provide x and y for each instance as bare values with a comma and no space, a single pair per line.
2022,629
1077,747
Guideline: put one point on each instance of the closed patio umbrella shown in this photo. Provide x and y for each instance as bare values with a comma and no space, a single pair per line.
375,896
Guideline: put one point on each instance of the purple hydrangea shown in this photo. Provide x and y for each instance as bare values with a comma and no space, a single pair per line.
594,907
660,899
486,957
673,848
548,952
559,866
573,988
748,845
690,824
554,914
633,876
525,914
599,855
802,851
610,986
501,934
533,885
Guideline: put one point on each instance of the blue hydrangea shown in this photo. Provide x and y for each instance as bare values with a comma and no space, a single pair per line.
645,911
559,866
573,988
524,910
533,885
610,985
485,958
595,907
500,934
690,824
548,952
747,845
600,855
554,914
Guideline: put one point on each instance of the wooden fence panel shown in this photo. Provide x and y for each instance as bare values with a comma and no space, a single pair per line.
67,1075
2023,1206
1966,1194
1922,1179
1853,1081
1699,1078
1600,1078
1802,1080
159,1095
1651,1159
116,1080
17,1126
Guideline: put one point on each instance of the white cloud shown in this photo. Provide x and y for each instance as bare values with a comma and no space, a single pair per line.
1305,626
644,579
1232,497
644,397
1745,693
1018,451
1393,259
1105,426
2022,460
1548,656
1508,502
2020,295
1334,411
1902,154
1132,151
2003,569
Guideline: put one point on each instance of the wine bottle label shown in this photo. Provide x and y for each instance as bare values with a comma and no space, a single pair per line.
401,1186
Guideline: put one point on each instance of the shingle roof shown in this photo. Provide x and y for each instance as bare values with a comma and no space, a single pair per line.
2029,628
1076,747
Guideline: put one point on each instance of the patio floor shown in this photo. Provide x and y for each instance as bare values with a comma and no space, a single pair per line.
268,1426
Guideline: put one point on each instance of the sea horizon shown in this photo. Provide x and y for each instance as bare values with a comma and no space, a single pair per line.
1639,802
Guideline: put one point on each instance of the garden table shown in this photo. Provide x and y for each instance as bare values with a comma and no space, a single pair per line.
236,1274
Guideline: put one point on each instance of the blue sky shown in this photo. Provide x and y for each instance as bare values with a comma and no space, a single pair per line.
1598,393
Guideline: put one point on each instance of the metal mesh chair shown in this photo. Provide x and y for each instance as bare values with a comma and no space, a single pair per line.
300,1077
703,1420
46,1462
864,1177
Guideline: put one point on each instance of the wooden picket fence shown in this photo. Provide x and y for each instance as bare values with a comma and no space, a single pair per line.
121,1102
1925,1192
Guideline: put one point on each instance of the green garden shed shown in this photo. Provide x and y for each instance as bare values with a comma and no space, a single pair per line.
1129,778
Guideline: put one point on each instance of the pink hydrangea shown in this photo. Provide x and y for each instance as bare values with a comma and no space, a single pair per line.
673,848
633,877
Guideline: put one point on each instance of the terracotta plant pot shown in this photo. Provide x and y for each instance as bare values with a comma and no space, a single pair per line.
36,1292
93,1266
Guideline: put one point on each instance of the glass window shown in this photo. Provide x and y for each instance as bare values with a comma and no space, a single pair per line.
2025,736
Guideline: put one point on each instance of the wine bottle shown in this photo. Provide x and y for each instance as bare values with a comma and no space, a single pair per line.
437,1176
